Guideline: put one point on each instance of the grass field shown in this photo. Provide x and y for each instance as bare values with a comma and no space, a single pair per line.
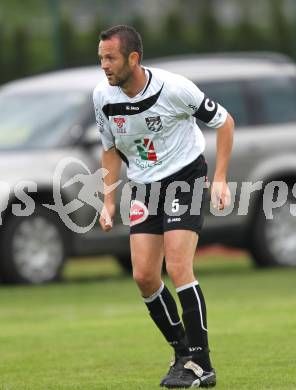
93,331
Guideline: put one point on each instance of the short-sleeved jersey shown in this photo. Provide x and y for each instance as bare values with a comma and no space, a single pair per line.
155,132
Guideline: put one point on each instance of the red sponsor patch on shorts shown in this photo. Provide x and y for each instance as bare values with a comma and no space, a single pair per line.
138,212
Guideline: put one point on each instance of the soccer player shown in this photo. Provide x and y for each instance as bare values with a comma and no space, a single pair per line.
146,118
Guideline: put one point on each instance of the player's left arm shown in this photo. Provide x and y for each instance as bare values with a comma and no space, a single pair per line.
193,101
217,117
220,194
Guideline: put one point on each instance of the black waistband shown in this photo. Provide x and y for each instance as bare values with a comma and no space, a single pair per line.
188,171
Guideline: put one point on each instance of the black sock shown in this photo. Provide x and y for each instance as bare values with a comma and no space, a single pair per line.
195,322
163,310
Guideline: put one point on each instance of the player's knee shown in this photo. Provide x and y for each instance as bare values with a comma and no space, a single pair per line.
178,272
173,270
143,279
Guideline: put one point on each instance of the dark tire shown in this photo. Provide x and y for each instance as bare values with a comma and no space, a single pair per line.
125,262
33,248
273,241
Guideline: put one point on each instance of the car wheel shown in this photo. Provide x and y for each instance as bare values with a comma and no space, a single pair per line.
125,262
273,241
33,248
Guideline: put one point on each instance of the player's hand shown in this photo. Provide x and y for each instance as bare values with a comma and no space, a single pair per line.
107,216
220,195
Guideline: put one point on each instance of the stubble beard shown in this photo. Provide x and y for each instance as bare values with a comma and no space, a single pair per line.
124,78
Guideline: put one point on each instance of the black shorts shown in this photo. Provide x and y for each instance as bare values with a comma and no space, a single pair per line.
174,203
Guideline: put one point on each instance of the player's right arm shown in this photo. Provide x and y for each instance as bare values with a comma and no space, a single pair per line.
111,161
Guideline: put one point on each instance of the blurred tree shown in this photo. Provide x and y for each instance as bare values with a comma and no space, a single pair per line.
140,24
20,58
280,29
246,35
37,36
172,34
55,12
91,41
209,30
68,42
2,63
293,34
20,12
7,56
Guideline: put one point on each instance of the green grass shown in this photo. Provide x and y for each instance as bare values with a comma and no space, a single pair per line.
93,331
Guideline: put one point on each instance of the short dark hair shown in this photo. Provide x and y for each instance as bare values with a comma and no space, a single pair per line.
130,39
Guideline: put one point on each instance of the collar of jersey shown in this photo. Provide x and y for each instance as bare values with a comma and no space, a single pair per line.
148,75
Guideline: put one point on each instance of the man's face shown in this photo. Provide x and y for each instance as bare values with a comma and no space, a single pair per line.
113,63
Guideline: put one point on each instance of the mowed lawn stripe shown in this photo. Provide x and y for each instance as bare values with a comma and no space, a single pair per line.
93,332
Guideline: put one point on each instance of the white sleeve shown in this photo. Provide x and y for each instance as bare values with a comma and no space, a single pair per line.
103,125
194,102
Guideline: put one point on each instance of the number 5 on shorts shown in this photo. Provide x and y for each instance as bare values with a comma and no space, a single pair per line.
175,206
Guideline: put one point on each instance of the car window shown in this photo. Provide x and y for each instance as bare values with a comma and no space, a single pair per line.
38,120
277,97
231,96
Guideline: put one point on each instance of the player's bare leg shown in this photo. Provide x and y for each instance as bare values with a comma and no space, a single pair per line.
180,248
147,258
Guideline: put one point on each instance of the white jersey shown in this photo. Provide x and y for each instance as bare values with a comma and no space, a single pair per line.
155,132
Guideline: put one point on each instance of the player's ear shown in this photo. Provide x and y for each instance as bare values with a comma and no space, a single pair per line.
133,59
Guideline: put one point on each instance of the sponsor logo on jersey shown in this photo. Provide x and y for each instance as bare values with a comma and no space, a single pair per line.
132,108
120,122
146,164
154,123
146,149
138,212
170,220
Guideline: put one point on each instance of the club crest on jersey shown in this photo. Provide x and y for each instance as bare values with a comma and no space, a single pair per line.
154,123
120,122
138,212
